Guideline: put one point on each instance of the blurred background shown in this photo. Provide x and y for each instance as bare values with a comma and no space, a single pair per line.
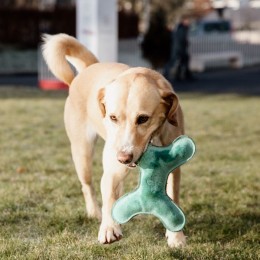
222,34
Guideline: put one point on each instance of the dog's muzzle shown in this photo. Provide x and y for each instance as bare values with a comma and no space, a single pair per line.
124,157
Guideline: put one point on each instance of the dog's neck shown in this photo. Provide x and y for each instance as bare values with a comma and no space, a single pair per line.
163,136
156,140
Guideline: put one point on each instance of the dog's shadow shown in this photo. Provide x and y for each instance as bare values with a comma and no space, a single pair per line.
218,225
208,225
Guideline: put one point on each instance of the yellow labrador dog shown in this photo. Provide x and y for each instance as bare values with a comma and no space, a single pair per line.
128,108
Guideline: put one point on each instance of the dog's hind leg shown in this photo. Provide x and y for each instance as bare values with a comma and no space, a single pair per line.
82,153
82,138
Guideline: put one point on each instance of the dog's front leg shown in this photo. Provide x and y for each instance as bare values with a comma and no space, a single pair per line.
111,189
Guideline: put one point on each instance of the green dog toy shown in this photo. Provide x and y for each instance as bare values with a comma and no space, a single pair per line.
150,197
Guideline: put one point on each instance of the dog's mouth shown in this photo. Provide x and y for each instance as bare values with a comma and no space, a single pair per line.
134,164
131,165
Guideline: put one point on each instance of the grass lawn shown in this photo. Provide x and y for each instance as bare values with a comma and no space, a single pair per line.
42,213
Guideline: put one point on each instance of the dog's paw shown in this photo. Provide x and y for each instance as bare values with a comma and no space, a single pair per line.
175,239
109,233
94,212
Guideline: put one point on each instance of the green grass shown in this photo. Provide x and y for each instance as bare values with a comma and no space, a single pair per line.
42,213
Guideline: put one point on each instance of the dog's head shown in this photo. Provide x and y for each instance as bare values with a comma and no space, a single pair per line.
135,106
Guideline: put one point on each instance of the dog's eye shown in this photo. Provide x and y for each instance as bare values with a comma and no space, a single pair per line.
113,118
142,119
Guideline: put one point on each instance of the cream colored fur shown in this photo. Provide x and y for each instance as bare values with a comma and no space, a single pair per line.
128,108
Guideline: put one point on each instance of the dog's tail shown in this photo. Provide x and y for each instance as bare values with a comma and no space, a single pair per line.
61,48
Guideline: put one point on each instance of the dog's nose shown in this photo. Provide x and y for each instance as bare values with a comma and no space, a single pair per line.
124,157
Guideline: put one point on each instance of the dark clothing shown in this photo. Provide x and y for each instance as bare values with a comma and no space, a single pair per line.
156,46
179,61
181,44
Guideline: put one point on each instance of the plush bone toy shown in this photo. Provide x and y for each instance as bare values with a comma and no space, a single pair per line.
150,197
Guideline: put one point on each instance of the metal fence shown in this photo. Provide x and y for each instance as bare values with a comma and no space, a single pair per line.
129,52
247,44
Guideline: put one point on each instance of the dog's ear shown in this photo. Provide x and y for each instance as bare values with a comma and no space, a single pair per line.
172,102
101,101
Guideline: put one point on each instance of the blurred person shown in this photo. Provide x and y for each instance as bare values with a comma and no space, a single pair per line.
156,43
179,60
